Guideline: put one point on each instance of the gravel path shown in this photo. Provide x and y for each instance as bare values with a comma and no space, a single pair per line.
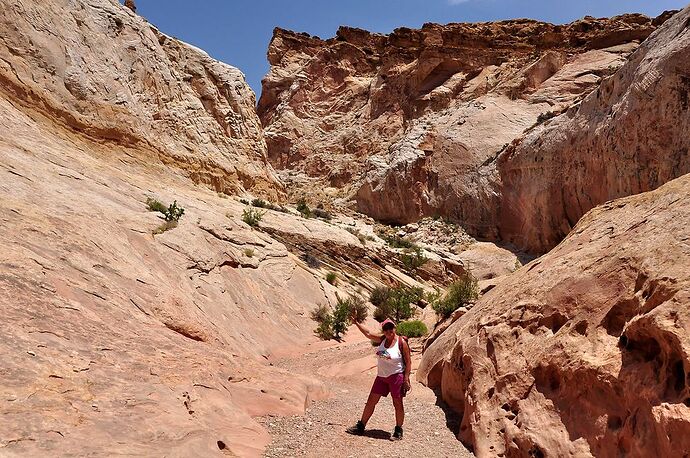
321,431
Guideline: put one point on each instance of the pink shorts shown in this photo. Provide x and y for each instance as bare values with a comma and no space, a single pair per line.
392,384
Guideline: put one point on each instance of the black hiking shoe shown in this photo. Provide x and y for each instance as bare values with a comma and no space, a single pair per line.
397,434
357,430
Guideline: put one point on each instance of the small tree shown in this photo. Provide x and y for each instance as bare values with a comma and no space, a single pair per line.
461,292
333,324
395,303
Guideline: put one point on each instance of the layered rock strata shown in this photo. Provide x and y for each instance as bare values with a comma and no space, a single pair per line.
584,351
101,70
404,122
628,136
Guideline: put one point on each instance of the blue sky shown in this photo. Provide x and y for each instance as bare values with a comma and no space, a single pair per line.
238,31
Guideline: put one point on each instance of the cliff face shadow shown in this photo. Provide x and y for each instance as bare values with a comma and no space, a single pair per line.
453,419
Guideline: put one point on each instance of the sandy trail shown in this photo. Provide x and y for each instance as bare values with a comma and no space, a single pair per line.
321,431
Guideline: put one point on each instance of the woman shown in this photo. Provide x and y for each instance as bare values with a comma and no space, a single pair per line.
393,376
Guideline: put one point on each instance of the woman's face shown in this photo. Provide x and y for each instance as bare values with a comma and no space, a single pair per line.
389,332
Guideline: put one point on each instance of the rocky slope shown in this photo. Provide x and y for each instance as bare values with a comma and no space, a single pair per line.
584,351
627,137
101,70
404,121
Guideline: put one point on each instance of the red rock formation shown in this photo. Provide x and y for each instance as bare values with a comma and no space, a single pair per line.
584,351
627,137
405,120
104,72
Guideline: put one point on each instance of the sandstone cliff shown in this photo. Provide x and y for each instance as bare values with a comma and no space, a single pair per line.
627,137
584,351
103,71
405,121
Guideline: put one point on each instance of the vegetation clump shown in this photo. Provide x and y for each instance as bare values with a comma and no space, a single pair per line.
311,260
396,303
252,217
172,214
248,252
332,278
543,117
303,208
413,328
332,324
460,293
413,258
395,241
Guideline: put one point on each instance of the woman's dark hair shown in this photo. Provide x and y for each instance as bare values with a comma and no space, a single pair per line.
388,326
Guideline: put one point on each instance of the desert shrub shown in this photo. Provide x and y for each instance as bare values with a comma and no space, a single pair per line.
333,323
244,201
413,258
248,252
311,260
323,214
395,241
260,203
303,208
358,309
461,292
414,328
155,205
542,118
398,303
332,278
252,217
166,226
173,213
379,295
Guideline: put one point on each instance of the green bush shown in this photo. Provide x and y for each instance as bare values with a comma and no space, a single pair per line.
333,324
332,278
172,213
379,295
155,205
413,258
395,241
461,292
252,217
397,304
303,208
244,201
414,328
248,252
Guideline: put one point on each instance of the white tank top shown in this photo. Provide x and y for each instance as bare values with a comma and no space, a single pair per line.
390,360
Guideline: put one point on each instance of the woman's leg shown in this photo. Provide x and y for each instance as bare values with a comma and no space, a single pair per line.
370,406
399,411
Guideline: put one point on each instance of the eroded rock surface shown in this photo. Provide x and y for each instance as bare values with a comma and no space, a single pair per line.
584,351
99,69
627,137
404,121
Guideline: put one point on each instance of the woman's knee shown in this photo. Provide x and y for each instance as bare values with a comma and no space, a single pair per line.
373,399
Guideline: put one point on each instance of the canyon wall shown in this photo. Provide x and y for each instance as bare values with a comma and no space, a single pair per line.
99,69
403,123
584,351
